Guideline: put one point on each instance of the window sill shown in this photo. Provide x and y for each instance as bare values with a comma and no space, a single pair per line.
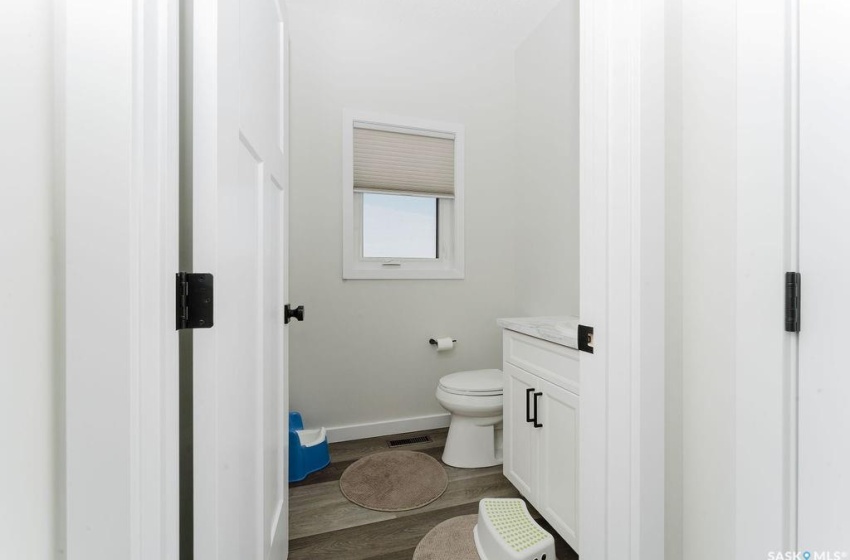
401,273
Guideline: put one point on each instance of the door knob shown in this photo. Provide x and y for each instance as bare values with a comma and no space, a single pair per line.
289,313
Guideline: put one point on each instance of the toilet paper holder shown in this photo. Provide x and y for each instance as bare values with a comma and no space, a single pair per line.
433,342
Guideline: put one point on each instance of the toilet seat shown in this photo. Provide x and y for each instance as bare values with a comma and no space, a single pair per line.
475,383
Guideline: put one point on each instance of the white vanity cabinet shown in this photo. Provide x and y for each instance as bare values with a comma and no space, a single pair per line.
541,415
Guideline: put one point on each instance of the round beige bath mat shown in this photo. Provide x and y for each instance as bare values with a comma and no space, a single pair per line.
394,481
450,540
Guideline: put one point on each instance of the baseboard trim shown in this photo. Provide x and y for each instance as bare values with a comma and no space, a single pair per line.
387,427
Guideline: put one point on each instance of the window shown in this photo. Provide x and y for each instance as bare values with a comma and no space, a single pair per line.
400,226
402,198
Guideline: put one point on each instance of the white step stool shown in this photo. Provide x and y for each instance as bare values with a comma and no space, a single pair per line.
506,531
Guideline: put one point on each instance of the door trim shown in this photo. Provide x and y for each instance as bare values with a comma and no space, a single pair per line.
117,152
767,138
622,224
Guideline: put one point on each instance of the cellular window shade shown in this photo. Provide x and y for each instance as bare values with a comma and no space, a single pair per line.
402,163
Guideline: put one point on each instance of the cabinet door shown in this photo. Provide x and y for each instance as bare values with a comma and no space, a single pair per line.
520,437
558,460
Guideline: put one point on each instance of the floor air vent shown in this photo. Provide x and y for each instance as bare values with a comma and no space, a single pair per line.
408,441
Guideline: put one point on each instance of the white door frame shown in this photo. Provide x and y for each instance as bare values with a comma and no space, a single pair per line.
739,90
767,83
622,275
117,103
622,85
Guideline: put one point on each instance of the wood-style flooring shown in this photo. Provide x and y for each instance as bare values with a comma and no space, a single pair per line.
325,526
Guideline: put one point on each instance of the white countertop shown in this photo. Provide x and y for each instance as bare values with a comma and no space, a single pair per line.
561,330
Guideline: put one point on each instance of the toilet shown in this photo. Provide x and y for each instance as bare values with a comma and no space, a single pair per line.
475,434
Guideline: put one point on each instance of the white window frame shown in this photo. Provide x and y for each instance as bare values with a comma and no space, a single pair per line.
449,265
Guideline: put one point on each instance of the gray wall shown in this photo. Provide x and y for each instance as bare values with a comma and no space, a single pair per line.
547,207
363,354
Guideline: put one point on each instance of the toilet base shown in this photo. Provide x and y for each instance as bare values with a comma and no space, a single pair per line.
474,442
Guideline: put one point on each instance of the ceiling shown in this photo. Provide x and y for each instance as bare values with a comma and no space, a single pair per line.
482,23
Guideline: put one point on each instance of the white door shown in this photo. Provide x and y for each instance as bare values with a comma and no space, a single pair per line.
558,460
239,235
520,439
824,375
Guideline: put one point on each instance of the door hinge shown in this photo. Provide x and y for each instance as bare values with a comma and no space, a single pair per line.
792,302
585,339
194,300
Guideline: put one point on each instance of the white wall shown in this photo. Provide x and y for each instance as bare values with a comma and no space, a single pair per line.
362,355
547,201
30,411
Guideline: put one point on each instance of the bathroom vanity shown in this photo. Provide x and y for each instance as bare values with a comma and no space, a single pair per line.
541,415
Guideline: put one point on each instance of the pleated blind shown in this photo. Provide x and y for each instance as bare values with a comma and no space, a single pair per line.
403,163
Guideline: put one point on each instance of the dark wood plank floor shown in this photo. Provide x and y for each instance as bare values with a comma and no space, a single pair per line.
325,526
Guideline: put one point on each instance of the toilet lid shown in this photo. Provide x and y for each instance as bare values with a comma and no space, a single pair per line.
480,382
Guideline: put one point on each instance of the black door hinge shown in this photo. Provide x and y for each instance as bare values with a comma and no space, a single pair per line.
585,339
194,300
792,302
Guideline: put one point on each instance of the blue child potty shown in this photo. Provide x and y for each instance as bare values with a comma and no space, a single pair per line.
308,449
